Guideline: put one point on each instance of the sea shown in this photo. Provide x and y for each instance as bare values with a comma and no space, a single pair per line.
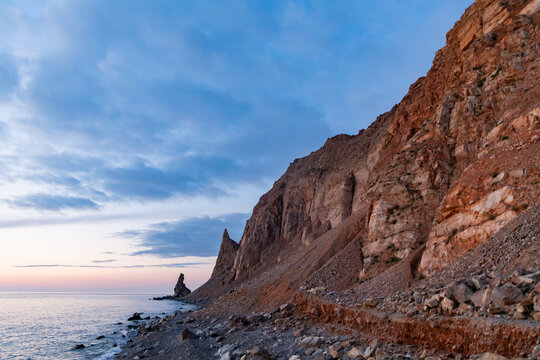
51,325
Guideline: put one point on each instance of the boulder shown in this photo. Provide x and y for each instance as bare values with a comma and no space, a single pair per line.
186,334
311,341
237,322
447,305
258,353
506,294
480,298
460,293
333,351
355,353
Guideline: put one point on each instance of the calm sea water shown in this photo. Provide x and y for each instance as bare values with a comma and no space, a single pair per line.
49,325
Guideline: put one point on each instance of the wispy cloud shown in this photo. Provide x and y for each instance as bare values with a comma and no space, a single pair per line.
46,202
104,261
197,236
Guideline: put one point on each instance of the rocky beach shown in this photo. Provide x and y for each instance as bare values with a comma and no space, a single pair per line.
417,238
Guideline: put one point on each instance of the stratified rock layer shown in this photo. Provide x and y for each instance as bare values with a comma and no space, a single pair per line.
427,182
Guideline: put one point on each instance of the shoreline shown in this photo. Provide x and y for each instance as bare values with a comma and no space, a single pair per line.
280,334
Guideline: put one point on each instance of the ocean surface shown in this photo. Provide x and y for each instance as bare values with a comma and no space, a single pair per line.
50,325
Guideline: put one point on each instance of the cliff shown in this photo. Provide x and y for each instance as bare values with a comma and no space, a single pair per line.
428,182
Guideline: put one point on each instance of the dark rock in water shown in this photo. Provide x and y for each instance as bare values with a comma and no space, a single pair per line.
180,289
115,345
186,334
100,337
118,323
135,316
79,347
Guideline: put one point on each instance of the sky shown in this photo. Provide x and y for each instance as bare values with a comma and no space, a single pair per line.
133,132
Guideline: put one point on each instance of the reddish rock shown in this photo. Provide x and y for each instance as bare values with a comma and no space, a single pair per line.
506,294
428,182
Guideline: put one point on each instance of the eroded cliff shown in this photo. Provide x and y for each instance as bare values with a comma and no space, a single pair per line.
427,182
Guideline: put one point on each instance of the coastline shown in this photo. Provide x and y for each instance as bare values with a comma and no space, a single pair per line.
282,333
134,327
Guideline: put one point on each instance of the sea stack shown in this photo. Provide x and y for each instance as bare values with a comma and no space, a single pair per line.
180,290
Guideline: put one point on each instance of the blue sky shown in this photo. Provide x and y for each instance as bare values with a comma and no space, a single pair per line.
153,125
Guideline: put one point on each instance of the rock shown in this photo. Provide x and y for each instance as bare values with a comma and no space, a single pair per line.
255,318
463,309
311,341
100,337
227,348
355,353
286,307
506,294
237,322
460,293
447,306
536,352
298,332
79,347
180,290
186,334
258,353
432,302
480,298
295,357
380,354
135,317
477,284
333,351
491,356
370,350
226,356
536,316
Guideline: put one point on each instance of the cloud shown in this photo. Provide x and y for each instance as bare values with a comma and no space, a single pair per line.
45,202
197,236
181,100
173,265
104,261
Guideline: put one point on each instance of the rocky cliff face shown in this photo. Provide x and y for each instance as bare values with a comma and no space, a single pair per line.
446,168
226,255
